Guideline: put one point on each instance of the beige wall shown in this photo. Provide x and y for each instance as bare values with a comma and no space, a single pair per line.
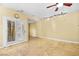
33,30
8,12
65,27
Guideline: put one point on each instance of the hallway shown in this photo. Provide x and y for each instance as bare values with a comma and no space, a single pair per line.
41,47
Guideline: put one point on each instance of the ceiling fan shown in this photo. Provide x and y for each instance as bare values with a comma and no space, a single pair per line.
58,5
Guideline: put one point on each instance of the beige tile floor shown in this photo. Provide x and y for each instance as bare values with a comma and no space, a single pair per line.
41,47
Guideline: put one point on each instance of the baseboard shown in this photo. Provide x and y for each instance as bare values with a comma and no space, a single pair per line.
58,39
17,43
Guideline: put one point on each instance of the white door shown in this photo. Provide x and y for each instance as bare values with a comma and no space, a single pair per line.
20,30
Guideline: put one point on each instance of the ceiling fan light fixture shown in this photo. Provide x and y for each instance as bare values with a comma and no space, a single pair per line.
60,5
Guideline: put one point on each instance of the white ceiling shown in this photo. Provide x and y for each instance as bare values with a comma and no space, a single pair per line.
39,9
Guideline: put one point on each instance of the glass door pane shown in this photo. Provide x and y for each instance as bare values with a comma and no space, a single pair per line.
11,31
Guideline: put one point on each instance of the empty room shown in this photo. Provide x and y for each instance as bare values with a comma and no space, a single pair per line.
39,29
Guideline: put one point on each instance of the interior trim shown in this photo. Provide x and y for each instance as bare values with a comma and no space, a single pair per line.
58,39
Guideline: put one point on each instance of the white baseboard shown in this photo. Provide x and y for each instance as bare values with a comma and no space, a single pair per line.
58,39
16,42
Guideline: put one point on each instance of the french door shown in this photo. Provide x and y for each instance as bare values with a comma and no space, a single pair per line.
14,30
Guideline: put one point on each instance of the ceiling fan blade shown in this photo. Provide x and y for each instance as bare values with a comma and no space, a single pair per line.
56,9
52,5
49,6
67,4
